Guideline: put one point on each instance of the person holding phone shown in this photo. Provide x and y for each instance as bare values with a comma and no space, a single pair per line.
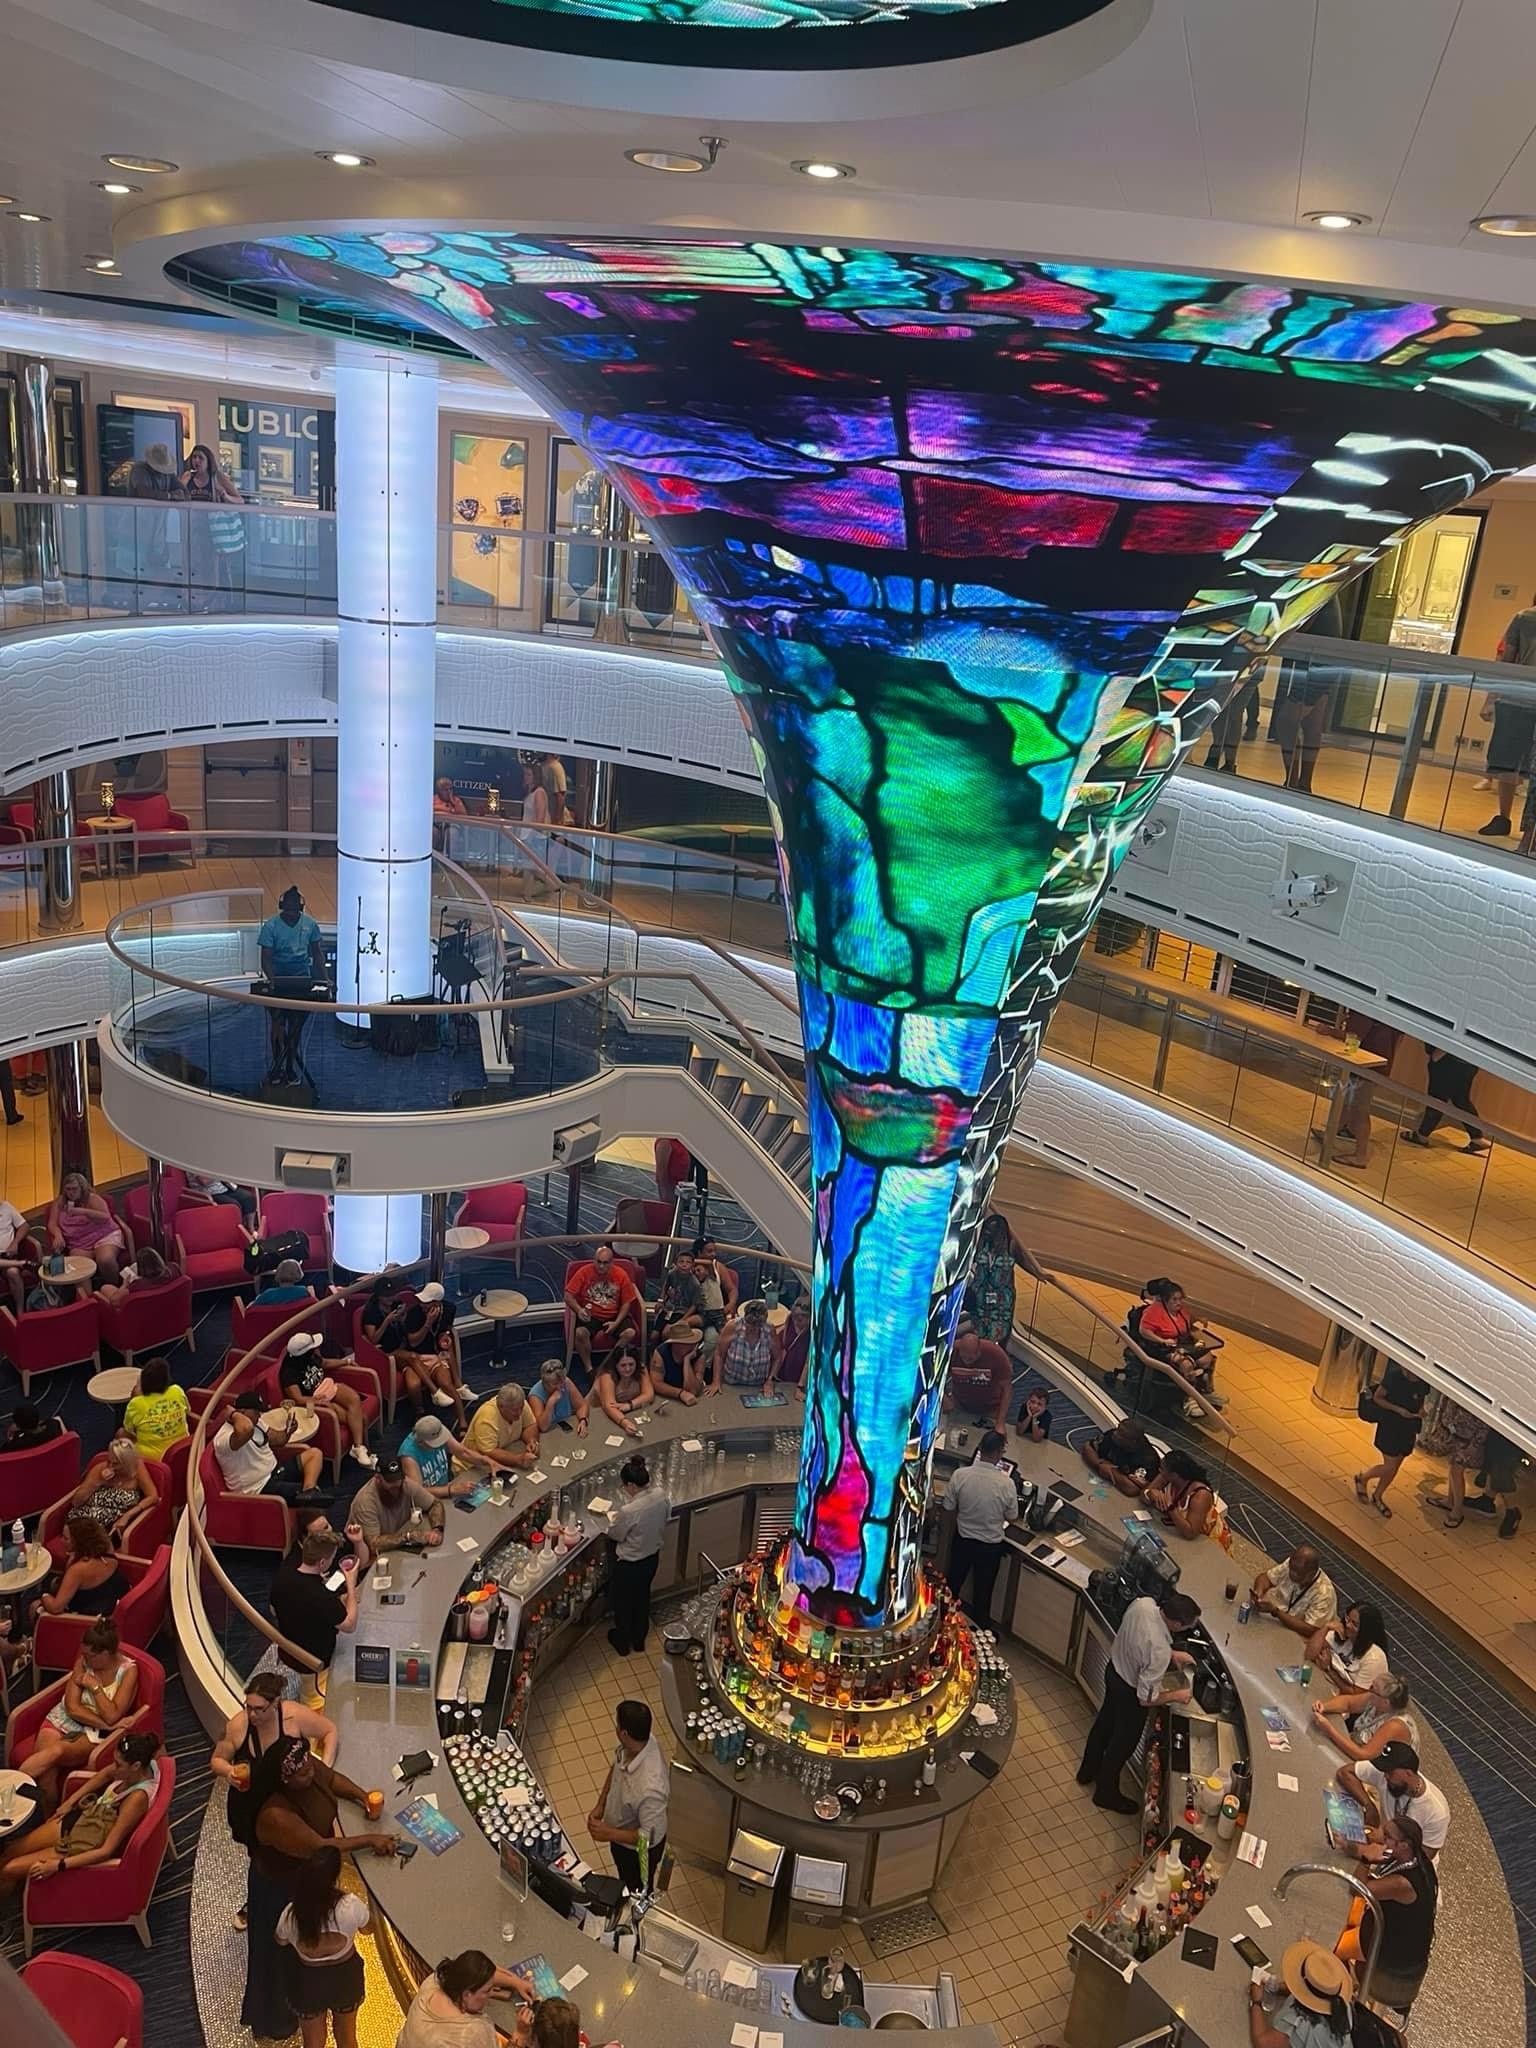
317,1603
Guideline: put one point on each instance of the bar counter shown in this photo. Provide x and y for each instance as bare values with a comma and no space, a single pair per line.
440,1905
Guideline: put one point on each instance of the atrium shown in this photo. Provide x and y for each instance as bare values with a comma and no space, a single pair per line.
767,888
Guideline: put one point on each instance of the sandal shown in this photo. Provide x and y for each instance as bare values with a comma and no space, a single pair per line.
1455,1522
1360,1493
1382,1509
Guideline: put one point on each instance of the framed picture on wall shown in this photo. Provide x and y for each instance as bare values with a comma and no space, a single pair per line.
275,466
183,409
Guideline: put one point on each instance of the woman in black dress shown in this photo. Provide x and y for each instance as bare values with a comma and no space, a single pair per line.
1399,1405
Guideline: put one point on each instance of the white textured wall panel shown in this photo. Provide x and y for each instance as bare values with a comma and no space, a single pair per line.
1438,935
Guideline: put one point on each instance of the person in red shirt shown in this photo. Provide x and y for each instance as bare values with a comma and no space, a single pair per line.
1168,1330
604,1303
980,1376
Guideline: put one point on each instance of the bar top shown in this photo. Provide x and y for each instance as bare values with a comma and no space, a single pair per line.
442,1905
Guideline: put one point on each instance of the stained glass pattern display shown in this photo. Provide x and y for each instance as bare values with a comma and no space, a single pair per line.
984,545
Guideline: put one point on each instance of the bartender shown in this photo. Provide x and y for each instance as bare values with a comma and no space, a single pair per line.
985,1500
631,1810
1138,1659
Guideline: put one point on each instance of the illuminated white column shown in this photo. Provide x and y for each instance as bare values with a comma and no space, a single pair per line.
386,589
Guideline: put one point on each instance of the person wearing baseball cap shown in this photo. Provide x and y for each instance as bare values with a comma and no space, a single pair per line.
309,1384
1315,2012
397,1513
248,1462
430,1452
1395,1785
418,1335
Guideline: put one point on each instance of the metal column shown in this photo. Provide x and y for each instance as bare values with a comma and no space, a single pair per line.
69,1109
58,867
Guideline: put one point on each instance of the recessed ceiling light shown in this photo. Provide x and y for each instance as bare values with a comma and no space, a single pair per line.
1506,223
6,199
1336,222
679,159
667,160
820,167
101,266
116,186
345,159
149,166
32,219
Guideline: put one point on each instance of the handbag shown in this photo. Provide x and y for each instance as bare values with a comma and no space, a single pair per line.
1365,1405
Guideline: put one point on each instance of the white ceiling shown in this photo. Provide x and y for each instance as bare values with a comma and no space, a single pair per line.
1222,114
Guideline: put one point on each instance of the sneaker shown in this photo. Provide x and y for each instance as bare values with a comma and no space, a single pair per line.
1192,1411
364,1456
1482,1504
1510,1523
1117,1804
440,1399
1496,828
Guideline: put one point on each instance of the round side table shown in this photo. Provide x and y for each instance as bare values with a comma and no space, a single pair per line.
31,1572
113,1387
503,1305
78,1268
19,1799
112,837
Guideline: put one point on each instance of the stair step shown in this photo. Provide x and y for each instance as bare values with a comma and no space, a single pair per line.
703,1066
793,1156
726,1087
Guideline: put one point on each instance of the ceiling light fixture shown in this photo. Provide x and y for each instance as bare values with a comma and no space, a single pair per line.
32,219
6,199
685,160
821,167
346,159
101,266
116,186
1506,223
1335,222
149,166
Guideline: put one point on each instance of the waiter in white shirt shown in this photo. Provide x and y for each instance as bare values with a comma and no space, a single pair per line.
985,1500
638,1527
1138,1659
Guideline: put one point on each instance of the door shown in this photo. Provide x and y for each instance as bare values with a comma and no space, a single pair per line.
247,791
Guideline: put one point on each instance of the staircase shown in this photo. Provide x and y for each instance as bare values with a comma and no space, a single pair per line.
780,1131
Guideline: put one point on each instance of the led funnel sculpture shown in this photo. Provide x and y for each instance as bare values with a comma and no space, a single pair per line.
985,545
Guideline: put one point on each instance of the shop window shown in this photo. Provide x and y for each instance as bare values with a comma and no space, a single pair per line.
488,485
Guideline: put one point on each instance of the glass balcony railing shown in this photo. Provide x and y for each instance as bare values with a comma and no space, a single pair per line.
64,559
1389,731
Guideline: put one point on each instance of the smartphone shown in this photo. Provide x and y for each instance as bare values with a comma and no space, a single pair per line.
336,1581
1250,1951
405,1851
391,1599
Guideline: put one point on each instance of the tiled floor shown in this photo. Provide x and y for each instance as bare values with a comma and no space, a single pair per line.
1035,1854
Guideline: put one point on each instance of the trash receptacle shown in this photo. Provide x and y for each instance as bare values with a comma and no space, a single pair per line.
751,1889
817,1886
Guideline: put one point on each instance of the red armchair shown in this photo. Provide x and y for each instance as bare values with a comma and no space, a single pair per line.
92,2006
115,1894
50,1529
210,1246
175,1463
332,1439
31,1481
43,1340
284,1210
149,1318
141,1611
623,1265
381,1364
500,1210
243,1521
148,1712
133,1204
56,1638
152,1525
153,823
254,1325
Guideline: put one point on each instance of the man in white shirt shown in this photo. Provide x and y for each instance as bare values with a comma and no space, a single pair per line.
985,1500
1133,1682
1299,1593
247,1462
13,1228
631,1811
1395,1785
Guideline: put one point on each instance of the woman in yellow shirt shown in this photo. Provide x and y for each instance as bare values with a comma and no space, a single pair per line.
157,1414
